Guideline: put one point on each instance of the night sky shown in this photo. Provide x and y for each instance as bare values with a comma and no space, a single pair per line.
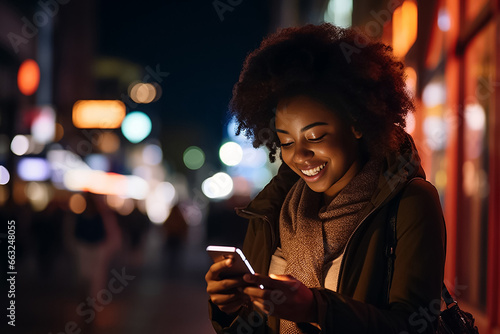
203,55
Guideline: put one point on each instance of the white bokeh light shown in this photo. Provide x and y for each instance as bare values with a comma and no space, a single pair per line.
475,117
434,94
231,153
20,145
152,154
4,175
218,186
254,158
43,128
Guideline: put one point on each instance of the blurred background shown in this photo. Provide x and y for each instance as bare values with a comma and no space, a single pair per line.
119,163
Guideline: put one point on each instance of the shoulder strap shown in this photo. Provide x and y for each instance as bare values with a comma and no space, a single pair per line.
391,241
391,237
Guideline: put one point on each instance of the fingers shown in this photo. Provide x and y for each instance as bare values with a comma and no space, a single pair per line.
227,286
216,268
229,303
282,277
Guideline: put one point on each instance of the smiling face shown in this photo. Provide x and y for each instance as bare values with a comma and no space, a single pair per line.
315,143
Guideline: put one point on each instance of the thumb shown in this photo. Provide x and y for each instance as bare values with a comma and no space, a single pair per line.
282,277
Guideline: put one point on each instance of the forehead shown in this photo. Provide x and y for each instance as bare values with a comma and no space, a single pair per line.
303,109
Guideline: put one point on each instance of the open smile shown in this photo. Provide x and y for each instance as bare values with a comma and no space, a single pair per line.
313,171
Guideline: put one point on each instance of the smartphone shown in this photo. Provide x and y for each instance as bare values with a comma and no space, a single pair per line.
240,265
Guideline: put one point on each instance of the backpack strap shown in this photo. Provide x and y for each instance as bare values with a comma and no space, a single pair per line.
391,236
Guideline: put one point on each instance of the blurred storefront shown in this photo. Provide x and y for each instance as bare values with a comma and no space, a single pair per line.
457,132
451,50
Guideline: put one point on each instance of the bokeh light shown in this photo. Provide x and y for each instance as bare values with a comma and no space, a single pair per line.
127,207
410,123
20,145
241,186
59,132
43,128
39,195
28,77
411,80
137,187
404,27
123,206
160,201
99,182
152,154
98,162
4,175
136,126
231,153
193,157
218,186
260,177
339,12
77,203
33,169
254,158
141,92
475,117
444,21
108,142
435,131
98,114
434,94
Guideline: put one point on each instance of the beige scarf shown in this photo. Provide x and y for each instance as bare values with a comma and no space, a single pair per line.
313,235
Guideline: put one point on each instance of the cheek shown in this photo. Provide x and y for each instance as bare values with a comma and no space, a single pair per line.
286,156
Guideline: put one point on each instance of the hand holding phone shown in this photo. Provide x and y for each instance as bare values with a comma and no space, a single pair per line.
240,265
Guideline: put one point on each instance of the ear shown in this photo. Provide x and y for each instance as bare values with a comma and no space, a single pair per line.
357,134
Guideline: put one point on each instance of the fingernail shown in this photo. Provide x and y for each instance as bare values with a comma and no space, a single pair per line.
228,262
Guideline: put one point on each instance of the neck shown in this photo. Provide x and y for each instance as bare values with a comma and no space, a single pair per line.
332,192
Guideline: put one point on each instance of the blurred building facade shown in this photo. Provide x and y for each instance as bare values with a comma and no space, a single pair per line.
451,50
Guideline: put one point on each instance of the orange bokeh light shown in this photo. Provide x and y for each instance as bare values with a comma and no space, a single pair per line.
28,77
108,142
77,203
98,114
404,28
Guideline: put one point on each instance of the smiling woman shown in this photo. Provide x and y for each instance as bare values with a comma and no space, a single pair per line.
317,145
317,235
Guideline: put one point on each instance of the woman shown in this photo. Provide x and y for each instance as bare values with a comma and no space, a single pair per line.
334,104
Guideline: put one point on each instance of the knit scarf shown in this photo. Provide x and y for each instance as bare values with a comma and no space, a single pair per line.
313,234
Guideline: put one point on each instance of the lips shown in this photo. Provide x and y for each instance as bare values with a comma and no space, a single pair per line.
313,171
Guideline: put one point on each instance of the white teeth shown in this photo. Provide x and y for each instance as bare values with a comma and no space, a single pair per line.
313,171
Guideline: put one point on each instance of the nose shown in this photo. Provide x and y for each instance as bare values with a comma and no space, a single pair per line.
302,153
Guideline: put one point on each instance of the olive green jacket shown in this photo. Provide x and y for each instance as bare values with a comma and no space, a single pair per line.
361,303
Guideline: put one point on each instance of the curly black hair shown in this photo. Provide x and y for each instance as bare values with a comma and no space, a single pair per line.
355,77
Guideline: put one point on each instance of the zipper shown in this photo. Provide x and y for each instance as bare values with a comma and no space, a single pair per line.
348,243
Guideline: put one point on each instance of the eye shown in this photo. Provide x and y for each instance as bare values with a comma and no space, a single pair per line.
317,139
286,144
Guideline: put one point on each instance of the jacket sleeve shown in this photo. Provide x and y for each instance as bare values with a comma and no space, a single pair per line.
415,293
260,239
247,320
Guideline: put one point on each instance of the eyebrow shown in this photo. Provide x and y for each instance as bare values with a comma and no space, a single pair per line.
305,128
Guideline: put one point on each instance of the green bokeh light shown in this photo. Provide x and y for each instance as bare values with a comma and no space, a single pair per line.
194,157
